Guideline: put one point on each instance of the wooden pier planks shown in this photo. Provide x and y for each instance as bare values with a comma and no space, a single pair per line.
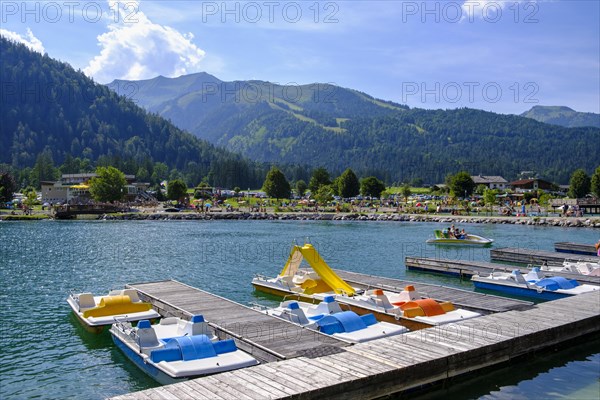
469,268
267,337
529,256
460,298
576,248
396,364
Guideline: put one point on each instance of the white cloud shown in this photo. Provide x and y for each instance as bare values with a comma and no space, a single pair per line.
30,41
143,50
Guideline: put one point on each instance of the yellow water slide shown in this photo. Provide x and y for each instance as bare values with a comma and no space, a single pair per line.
312,257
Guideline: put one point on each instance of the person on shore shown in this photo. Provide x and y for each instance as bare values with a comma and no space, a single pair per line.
597,245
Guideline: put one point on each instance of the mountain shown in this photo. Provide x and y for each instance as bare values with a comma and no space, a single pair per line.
563,116
49,108
334,127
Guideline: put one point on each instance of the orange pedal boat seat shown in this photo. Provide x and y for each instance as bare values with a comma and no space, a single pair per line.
425,308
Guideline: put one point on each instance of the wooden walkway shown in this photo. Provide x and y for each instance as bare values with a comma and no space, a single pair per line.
479,302
467,269
265,337
529,256
576,248
400,363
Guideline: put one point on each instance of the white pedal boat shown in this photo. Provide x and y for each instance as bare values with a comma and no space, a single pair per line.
327,317
408,304
96,312
176,350
533,284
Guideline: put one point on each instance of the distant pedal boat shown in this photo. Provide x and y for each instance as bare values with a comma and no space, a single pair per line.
96,312
469,239
175,350
533,284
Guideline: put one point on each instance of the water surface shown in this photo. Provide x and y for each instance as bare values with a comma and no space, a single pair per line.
46,354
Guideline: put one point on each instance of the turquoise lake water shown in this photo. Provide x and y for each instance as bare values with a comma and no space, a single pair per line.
46,354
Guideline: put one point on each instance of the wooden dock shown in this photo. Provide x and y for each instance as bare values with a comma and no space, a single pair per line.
576,248
266,337
466,269
479,302
529,256
399,363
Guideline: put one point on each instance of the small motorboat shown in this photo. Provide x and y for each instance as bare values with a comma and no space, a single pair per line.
327,317
96,312
533,284
467,239
176,349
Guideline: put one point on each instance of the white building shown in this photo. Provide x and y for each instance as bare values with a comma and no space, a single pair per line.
74,188
492,182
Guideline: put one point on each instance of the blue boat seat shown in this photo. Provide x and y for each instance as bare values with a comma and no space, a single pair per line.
557,282
346,321
187,348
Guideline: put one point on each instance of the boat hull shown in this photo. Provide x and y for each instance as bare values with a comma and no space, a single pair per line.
521,291
460,242
148,368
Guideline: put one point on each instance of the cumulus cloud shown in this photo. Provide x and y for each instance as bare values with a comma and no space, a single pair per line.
30,40
137,48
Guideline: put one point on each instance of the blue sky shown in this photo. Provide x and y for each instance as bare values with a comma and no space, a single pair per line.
499,56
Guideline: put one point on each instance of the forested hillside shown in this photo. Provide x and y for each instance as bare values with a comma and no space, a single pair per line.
334,127
49,108
563,116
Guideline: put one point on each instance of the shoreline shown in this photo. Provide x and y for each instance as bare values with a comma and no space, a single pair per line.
574,222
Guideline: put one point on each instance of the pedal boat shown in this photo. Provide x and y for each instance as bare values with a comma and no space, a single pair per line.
533,284
575,267
327,317
469,239
176,350
96,312
304,283
409,304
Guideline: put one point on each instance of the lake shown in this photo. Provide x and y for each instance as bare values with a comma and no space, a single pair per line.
46,354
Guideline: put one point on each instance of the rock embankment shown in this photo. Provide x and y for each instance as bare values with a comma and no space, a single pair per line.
591,222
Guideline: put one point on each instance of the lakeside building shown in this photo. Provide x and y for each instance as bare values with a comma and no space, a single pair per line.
74,188
492,182
528,185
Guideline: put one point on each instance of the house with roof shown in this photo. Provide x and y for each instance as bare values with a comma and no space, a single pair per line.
528,185
74,188
491,181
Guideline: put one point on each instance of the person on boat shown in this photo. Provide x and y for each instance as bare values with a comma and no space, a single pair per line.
463,234
597,245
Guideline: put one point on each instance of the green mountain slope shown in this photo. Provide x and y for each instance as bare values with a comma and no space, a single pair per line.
334,127
46,105
563,116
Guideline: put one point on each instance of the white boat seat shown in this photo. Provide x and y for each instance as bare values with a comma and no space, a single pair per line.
146,335
86,300
133,295
327,306
197,326
534,275
295,314
518,277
